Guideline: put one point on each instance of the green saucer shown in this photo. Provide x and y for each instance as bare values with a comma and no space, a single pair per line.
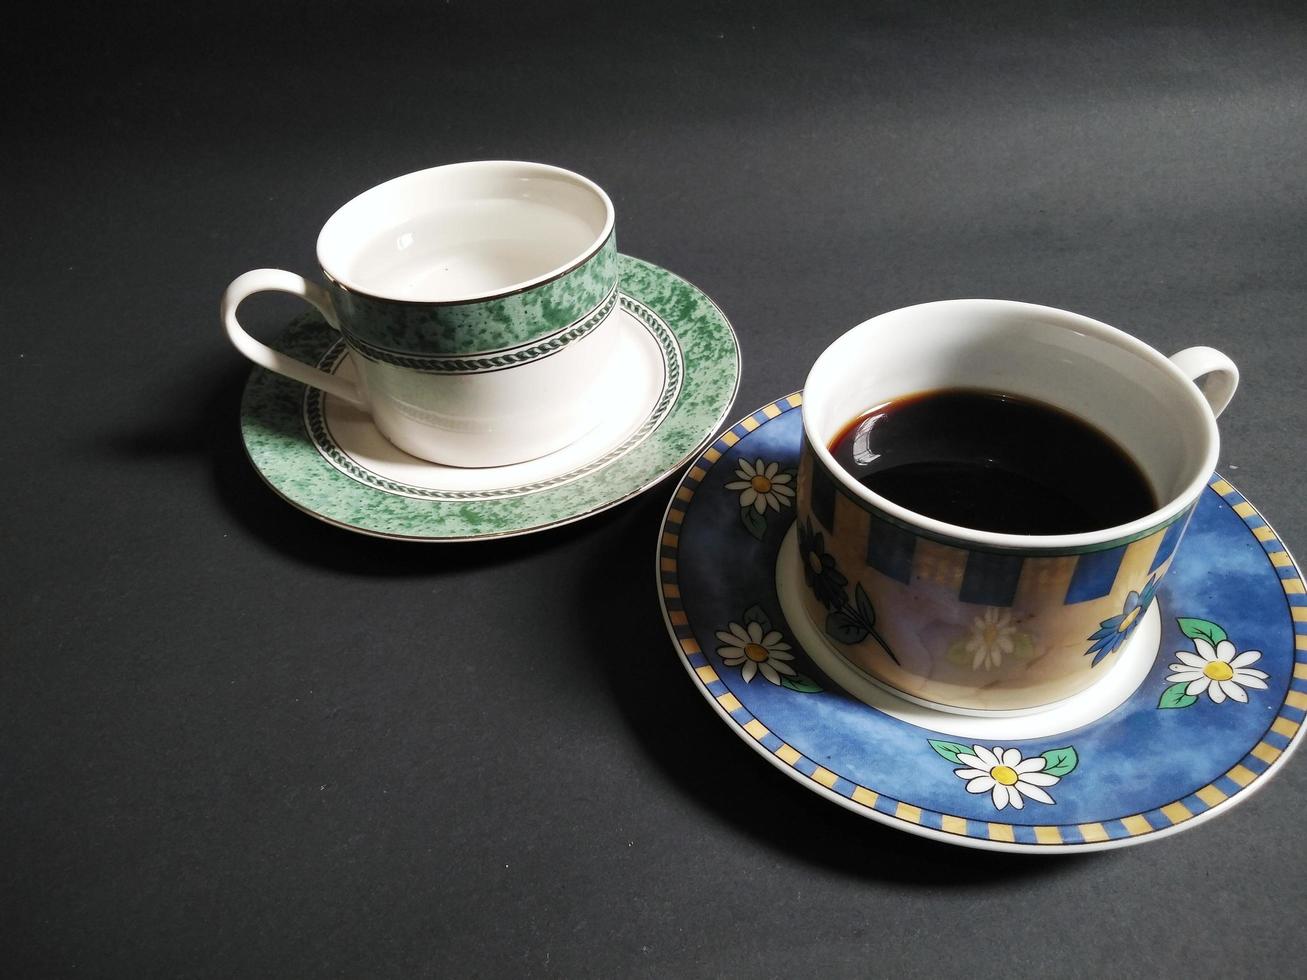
670,385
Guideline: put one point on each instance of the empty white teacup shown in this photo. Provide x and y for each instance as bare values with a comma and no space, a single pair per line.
473,299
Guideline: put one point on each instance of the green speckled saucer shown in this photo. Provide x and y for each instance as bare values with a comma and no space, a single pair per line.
672,381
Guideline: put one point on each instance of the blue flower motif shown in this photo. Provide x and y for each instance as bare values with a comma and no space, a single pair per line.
819,570
1115,630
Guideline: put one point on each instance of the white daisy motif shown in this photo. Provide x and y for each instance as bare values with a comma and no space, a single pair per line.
991,637
758,651
1006,776
761,485
1218,671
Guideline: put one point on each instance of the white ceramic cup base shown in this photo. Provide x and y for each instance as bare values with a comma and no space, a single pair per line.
630,390
495,418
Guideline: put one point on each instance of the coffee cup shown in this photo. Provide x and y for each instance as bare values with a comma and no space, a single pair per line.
474,300
978,621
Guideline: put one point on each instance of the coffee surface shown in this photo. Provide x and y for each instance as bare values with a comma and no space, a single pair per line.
993,462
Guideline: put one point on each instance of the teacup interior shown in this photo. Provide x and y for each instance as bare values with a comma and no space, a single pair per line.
465,231
1099,374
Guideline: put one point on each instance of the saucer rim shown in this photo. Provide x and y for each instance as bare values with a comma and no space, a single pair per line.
664,470
683,495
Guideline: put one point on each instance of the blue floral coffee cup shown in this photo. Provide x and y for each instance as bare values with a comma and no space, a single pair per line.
975,621
473,299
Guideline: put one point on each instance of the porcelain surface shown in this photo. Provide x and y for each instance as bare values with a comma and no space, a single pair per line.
1209,700
476,300
903,591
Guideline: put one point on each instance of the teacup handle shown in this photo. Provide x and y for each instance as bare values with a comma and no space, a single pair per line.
280,281
1216,372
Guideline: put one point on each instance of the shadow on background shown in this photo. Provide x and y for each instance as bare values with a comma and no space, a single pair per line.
204,419
682,735
692,747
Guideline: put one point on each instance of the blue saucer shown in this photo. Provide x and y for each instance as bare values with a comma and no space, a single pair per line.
1202,725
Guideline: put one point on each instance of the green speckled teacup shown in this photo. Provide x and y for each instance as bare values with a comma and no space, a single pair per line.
473,299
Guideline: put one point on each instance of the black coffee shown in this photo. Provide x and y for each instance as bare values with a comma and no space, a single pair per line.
993,462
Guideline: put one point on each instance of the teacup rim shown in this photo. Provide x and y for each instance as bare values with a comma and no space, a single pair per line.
1001,541
525,285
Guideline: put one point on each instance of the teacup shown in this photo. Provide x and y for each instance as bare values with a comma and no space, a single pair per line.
908,600
473,299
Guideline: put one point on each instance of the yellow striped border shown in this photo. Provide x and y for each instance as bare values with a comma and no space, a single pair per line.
1282,735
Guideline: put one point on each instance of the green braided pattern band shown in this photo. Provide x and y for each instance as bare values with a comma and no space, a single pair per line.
444,364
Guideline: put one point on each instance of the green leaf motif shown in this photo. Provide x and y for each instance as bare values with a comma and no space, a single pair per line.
865,610
950,750
801,683
1175,696
754,614
957,653
1201,629
1022,648
843,627
1059,762
753,522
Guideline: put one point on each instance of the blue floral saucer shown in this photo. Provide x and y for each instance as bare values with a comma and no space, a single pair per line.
1208,701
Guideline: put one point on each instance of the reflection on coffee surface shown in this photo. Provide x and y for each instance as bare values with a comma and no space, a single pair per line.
993,462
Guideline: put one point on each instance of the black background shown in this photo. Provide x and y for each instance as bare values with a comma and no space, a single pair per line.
236,741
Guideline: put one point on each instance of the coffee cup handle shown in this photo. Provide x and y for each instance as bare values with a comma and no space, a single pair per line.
1212,372
278,280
